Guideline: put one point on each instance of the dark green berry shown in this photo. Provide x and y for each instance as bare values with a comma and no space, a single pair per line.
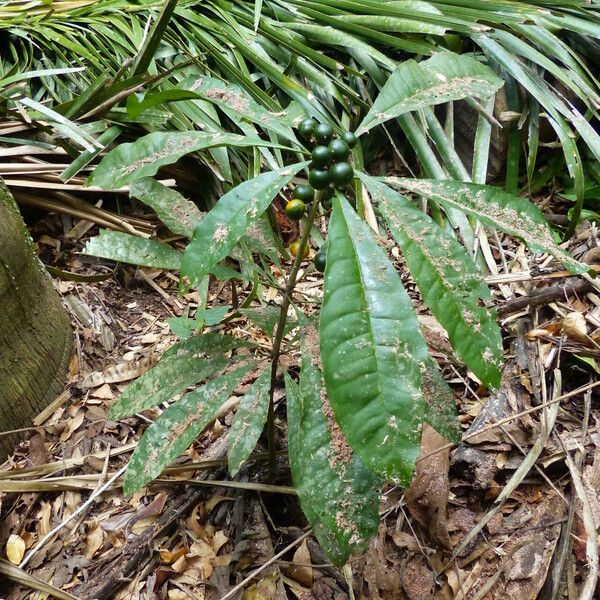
323,133
350,139
339,150
294,209
341,174
319,178
304,192
320,260
321,156
307,127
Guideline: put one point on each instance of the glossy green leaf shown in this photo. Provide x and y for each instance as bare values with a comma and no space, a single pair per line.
496,208
181,216
372,349
176,428
169,377
448,280
443,77
229,219
248,422
129,162
337,492
212,316
124,247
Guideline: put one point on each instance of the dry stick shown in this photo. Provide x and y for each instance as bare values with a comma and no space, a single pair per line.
545,296
584,388
234,590
279,331
81,509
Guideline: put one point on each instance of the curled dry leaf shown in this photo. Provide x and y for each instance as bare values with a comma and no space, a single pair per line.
301,569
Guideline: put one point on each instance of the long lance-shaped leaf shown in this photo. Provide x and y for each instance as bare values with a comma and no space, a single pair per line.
372,349
181,216
142,158
337,492
448,280
124,247
229,219
496,208
443,77
169,377
176,428
248,422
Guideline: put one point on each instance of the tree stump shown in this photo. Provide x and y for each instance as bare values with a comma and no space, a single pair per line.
35,331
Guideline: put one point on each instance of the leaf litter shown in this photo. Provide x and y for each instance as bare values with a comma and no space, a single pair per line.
430,543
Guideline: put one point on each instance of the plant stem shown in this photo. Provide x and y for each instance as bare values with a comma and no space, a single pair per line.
280,328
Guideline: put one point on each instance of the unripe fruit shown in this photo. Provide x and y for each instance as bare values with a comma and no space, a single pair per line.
295,248
294,209
350,139
341,174
323,133
320,260
304,192
339,150
321,156
306,128
319,178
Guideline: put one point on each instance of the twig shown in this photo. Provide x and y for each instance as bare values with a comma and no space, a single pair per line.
545,297
81,509
234,590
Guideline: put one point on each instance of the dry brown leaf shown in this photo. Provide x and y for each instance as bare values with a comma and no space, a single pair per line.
301,570
219,540
44,519
265,589
94,540
103,392
15,549
574,327
427,496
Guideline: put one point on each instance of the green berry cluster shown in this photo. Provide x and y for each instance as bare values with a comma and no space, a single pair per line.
329,167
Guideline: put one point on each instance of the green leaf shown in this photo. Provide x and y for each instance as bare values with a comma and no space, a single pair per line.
181,216
337,492
372,349
206,344
124,247
496,208
183,327
169,377
238,104
448,280
266,318
248,422
129,162
212,316
445,76
176,428
229,219
440,408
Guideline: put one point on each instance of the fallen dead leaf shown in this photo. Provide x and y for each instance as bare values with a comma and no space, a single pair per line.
94,540
301,570
427,497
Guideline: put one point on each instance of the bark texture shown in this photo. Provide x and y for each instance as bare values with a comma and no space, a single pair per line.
35,332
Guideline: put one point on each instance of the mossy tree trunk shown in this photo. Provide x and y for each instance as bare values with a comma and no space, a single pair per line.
35,332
